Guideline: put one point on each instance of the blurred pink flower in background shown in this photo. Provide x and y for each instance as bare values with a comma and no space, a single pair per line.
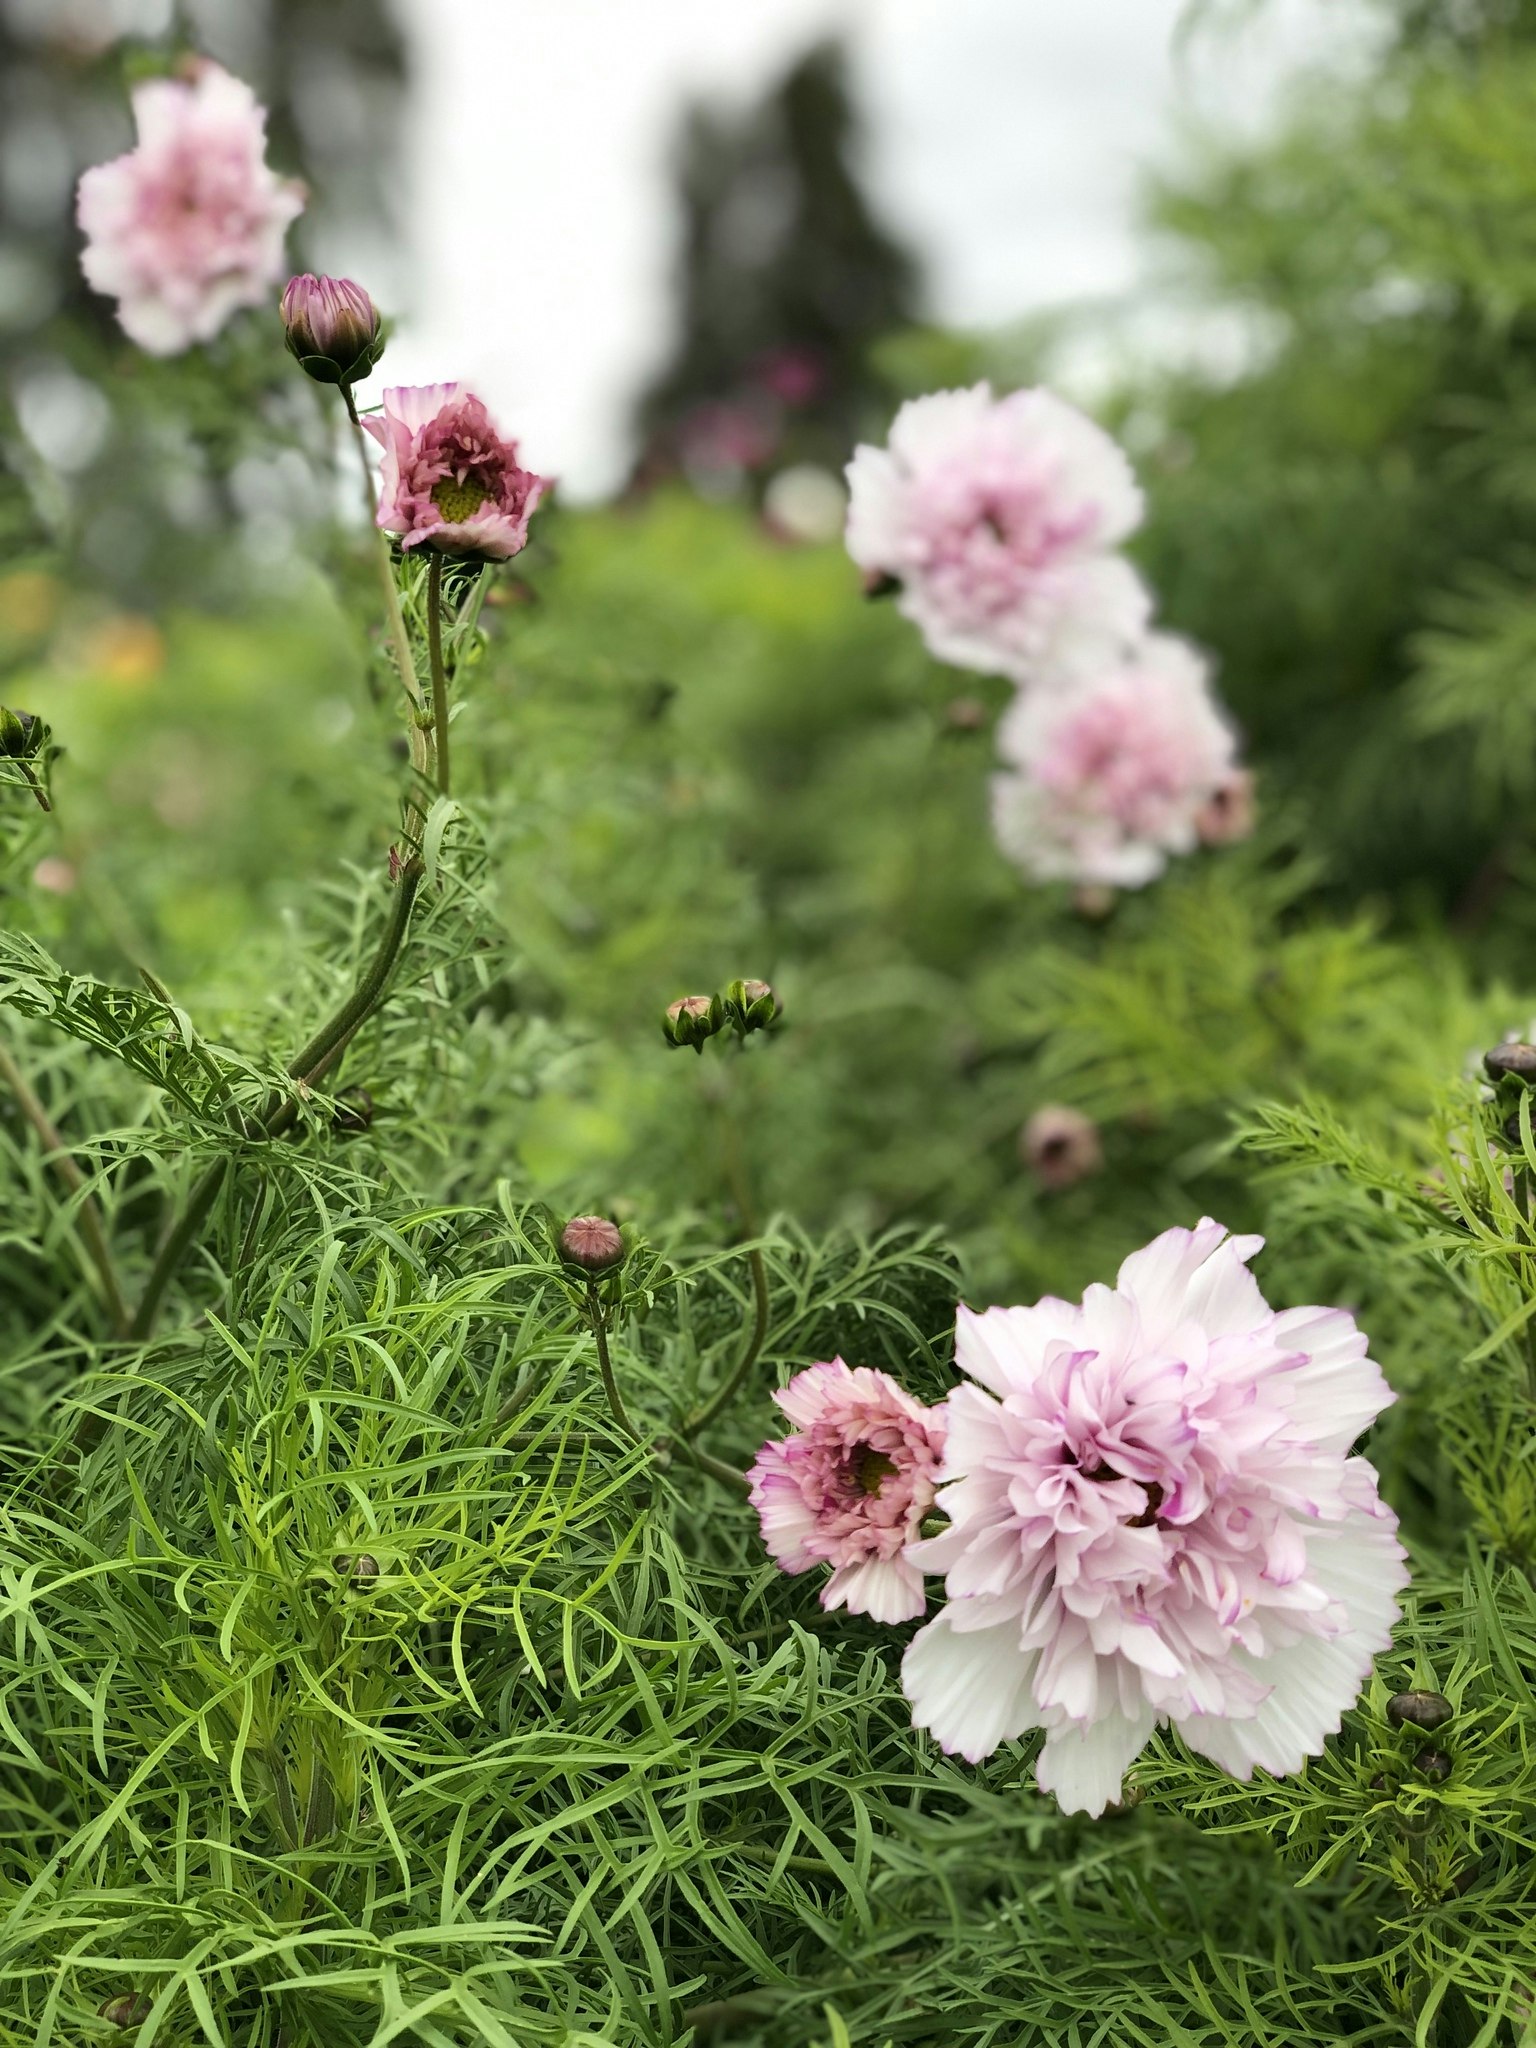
449,482
999,519
851,1486
1154,1517
189,226
1110,777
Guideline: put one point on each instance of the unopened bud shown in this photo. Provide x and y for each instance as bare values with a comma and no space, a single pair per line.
353,1112
1434,1764
1513,1059
1060,1146
1228,814
19,733
332,327
965,714
1426,1710
128,2009
592,1243
751,1005
362,1571
693,1019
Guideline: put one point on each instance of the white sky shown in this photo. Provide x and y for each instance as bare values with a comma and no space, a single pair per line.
1005,139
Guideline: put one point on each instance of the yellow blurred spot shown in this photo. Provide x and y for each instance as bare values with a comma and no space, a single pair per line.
125,649
29,603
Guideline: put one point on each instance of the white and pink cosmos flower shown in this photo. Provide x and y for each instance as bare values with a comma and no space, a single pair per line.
189,226
1155,1518
1109,778
449,481
999,519
850,1487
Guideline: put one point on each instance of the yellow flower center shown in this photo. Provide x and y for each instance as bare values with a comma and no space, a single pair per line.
458,502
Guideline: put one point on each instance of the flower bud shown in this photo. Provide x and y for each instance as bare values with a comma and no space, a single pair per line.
1426,1710
127,2009
965,714
1513,1059
20,733
692,1019
332,327
1434,1764
592,1243
1060,1146
353,1112
750,1005
363,1571
1228,814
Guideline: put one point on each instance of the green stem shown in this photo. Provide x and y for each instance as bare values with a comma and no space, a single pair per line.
307,1067
416,723
36,787
715,1467
736,1176
87,1215
175,1246
370,988
439,673
598,1321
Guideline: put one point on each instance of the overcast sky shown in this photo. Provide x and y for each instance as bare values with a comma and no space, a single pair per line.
1005,139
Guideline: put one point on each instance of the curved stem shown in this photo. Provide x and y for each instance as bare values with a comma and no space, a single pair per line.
370,987
308,1065
439,673
87,1215
175,1246
605,1364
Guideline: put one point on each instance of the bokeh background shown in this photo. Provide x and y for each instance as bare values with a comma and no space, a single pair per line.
692,256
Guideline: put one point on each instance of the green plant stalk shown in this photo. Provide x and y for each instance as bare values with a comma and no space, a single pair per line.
87,1214
605,1364
418,722
306,1067
439,672
736,1176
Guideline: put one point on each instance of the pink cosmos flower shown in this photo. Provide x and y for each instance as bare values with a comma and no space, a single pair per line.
851,1486
189,226
998,518
1112,776
449,481
1155,1517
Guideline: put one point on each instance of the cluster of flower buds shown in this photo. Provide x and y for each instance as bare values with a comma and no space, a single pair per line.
1425,1712
742,1007
333,329
21,734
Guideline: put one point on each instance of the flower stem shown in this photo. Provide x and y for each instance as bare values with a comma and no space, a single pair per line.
400,639
439,673
88,1215
598,1321
307,1066
736,1176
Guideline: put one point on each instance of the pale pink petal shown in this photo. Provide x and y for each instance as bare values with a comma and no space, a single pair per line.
1084,1767
970,1691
